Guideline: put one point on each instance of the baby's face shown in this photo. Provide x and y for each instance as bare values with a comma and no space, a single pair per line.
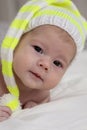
42,57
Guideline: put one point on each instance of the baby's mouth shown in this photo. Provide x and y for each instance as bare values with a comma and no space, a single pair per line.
36,75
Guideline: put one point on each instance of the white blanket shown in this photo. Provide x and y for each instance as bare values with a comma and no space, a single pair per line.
66,111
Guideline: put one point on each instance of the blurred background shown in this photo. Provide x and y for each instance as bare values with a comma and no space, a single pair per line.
9,8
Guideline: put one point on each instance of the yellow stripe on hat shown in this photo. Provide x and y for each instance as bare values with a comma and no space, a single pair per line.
19,23
7,68
29,8
14,90
13,104
62,3
10,42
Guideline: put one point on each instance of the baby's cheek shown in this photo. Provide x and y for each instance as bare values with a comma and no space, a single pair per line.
54,81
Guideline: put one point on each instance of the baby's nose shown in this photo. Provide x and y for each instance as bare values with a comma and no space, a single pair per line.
45,63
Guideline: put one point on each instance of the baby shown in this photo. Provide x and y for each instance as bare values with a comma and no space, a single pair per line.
40,45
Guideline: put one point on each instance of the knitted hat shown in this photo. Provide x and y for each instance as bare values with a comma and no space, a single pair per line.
61,13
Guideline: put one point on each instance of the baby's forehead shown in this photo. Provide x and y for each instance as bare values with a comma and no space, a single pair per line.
52,28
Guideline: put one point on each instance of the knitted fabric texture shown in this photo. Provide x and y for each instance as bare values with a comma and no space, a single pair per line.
61,13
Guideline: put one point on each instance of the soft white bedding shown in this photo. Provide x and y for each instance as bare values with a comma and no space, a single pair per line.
66,111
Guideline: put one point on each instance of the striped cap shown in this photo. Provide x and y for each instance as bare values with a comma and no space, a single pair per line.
61,13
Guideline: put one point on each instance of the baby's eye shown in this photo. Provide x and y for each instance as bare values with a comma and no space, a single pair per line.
38,49
58,63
